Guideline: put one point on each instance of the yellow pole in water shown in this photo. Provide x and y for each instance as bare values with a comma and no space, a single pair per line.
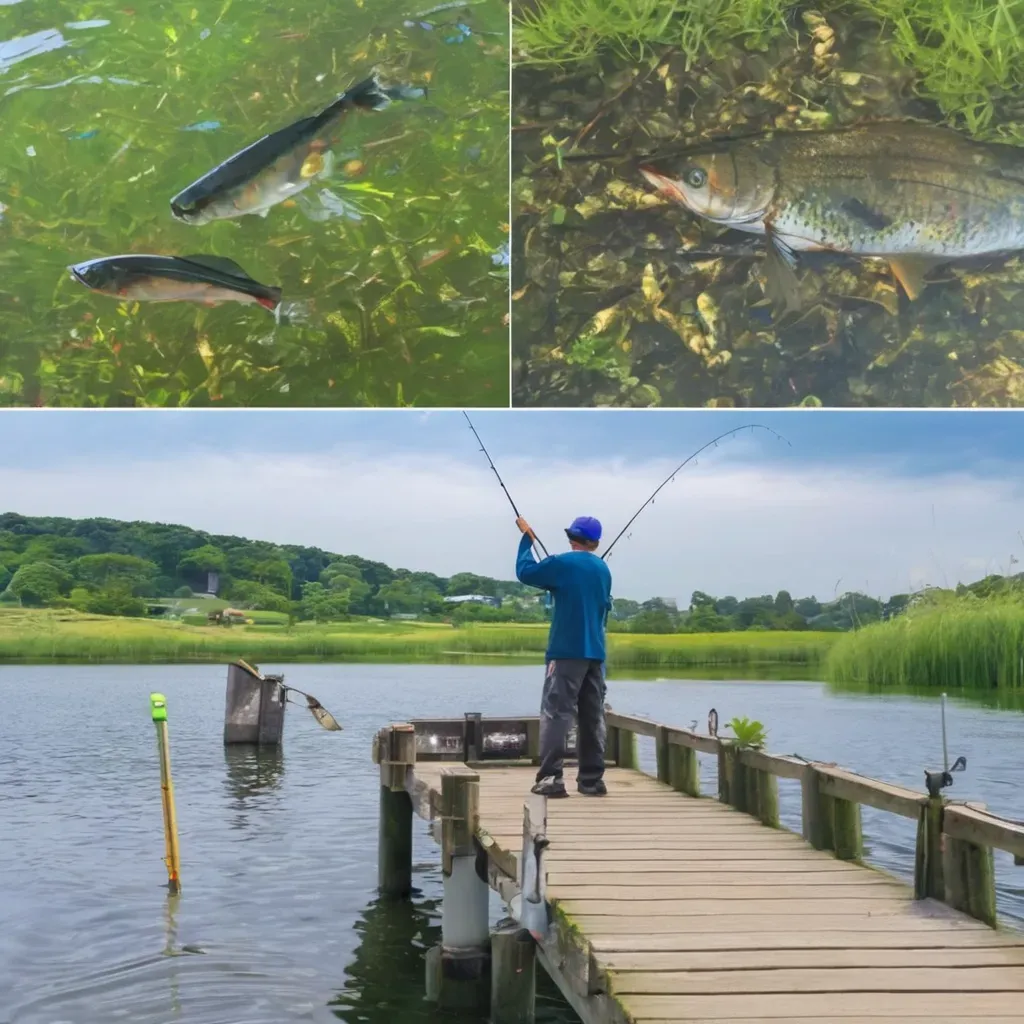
158,707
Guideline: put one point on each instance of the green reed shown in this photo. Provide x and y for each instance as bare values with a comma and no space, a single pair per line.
964,644
66,636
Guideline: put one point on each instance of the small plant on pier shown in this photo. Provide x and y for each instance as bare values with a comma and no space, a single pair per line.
748,732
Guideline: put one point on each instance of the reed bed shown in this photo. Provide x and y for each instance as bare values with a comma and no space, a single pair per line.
970,644
49,636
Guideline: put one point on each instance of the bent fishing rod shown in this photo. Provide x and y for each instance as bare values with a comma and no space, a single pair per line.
712,443
494,470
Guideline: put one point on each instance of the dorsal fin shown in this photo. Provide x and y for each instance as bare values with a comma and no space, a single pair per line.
219,263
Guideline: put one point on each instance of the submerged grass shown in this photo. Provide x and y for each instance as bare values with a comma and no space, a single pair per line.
65,636
964,644
966,53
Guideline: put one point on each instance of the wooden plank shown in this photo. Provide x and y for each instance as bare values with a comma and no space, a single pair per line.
860,789
719,960
778,765
829,1018
641,877
687,943
596,925
974,826
694,853
852,980
647,910
694,740
632,723
636,894
956,1006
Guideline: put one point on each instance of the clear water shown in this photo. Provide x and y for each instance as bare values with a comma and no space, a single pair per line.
278,919
111,109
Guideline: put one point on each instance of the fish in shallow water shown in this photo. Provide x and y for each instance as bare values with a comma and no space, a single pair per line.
280,165
914,194
209,280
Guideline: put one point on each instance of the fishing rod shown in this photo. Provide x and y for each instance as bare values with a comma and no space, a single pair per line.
494,469
672,475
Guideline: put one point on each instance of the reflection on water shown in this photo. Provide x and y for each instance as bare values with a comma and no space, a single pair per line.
613,306
110,110
278,919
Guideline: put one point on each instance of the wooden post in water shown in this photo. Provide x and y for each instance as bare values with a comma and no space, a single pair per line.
461,980
928,881
513,976
472,736
969,877
395,751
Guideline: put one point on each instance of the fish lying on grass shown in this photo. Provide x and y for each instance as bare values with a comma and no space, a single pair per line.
279,165
914,194
209,280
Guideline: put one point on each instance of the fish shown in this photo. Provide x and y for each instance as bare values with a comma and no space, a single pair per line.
209,280
281,164
914,194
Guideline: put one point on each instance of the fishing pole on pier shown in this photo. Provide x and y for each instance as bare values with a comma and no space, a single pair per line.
712,443
494,469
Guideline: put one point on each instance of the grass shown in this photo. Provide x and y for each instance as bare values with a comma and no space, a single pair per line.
47,635
968,643
967,53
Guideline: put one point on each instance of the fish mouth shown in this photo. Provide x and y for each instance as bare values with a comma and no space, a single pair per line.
180,212
77,275
665,185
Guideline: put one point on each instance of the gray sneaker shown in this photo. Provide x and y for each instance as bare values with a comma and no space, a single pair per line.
592,788
549,786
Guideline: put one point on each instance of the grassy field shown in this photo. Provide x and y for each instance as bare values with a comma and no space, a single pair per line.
971,643
47,635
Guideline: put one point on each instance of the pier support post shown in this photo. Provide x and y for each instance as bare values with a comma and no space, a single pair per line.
459,976
730,785
928,882
817,811
396,753
767,786
684,770
847,835
969,878
513,976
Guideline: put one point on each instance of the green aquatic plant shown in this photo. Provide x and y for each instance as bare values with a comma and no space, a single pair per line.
964,643
748,732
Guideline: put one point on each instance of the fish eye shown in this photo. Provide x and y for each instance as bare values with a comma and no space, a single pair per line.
695,177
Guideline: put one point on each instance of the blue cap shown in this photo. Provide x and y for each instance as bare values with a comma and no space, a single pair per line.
584,528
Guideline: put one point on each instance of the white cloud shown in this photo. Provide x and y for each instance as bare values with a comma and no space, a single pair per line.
721,528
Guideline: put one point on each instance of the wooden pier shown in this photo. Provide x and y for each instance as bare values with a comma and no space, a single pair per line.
666,905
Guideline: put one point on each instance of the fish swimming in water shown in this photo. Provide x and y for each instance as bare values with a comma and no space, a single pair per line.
210,280
914,194
280,165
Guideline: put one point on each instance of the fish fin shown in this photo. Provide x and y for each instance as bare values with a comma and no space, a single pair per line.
219,263
910,271
782,286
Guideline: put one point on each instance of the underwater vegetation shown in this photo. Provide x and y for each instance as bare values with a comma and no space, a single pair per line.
622,295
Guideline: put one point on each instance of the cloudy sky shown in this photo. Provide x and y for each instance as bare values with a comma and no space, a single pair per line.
878,501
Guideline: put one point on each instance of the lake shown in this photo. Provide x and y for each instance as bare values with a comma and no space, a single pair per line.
278,919
110,109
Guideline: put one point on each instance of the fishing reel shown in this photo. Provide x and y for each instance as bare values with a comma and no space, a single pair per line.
936,782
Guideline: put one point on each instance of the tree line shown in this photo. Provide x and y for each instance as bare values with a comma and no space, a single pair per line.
108,567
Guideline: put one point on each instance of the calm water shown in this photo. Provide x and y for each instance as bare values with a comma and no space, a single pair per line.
611,310
278,920
110,109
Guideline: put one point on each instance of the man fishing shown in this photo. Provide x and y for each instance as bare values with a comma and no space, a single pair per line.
574,680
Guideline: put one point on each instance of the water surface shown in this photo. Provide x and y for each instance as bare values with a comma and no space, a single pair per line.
278,919
111,109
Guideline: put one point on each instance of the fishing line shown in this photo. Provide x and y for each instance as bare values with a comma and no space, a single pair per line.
494,469
672,475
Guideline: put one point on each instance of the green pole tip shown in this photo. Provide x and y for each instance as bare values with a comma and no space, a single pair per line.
158,707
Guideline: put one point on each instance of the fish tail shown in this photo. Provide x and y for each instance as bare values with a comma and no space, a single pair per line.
367,95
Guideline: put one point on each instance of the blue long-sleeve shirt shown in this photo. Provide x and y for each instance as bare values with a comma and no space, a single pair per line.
582,588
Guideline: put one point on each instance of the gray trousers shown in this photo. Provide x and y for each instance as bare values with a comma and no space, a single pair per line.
573,687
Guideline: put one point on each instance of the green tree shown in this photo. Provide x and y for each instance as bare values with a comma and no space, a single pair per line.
115,599
321,604
202,560
102,570
39,583
783,603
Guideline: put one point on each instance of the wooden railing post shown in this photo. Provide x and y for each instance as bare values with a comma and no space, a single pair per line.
627,752
664,754
817,811
847,834
928,881
683,769
396,754
726,772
